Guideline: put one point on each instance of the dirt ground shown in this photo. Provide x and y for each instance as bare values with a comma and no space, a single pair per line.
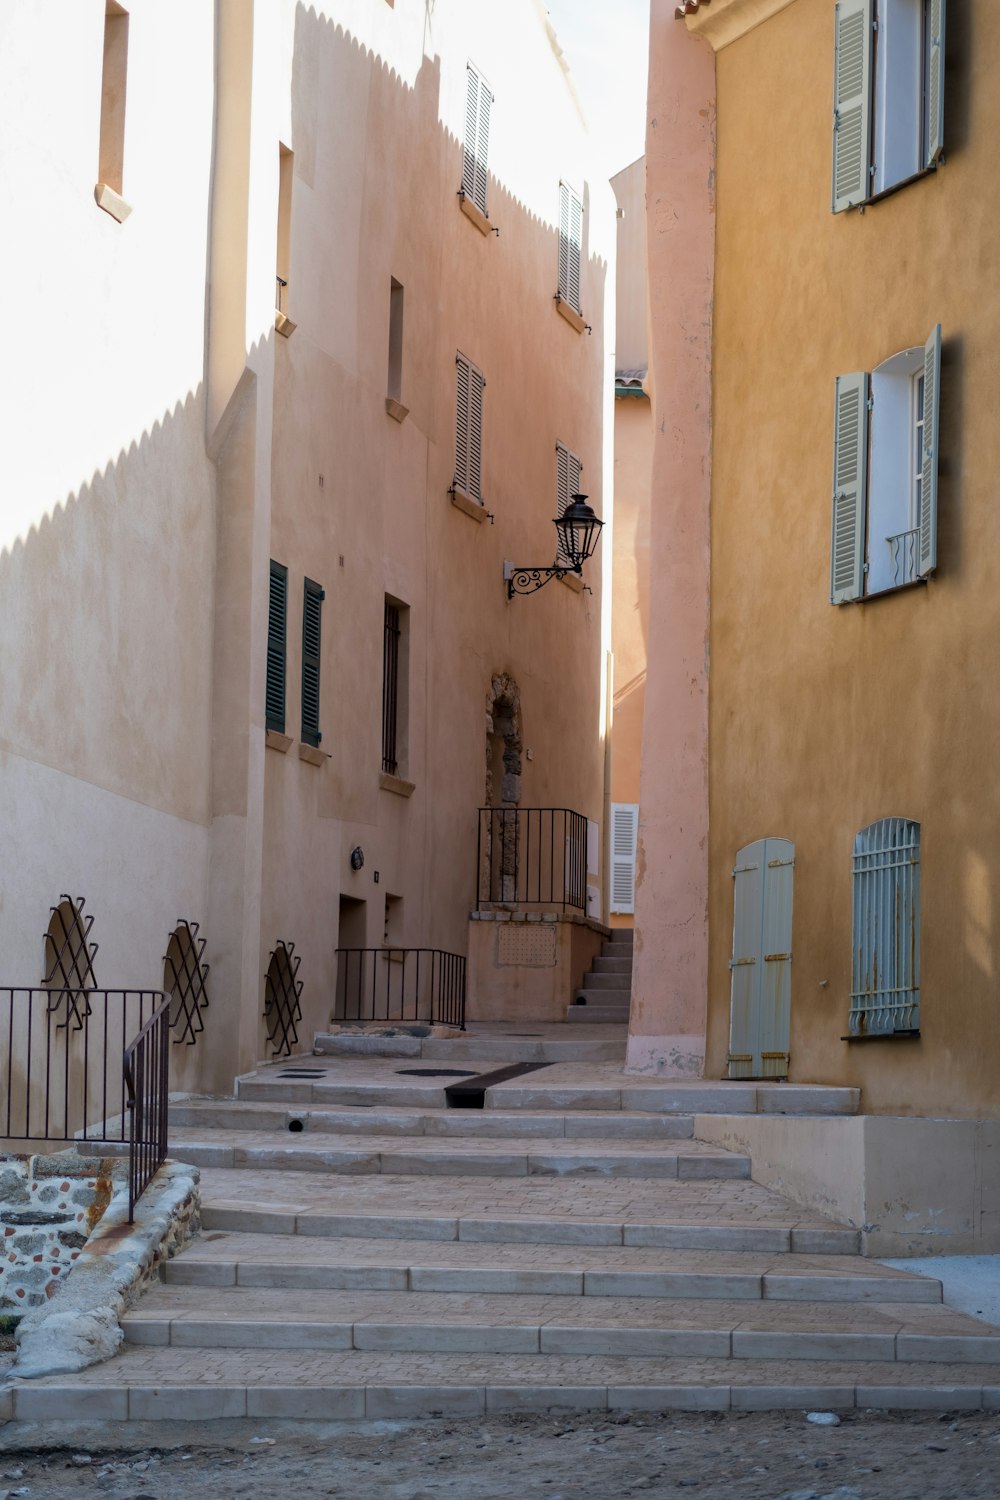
725,1456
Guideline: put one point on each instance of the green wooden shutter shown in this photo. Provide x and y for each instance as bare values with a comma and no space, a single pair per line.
852,113
277,618
312,613
850,464
935,82
929,478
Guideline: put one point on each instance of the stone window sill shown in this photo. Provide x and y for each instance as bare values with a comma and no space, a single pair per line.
113,203
275,740
313,755
477,216
396,784
572,581
569,312
396,409
283,324
467,503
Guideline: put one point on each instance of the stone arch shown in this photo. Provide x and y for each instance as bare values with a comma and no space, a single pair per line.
503,742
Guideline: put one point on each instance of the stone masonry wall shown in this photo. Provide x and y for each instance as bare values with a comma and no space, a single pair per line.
49,1206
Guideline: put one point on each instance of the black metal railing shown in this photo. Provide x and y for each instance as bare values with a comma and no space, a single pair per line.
400,984
82,1064
532,856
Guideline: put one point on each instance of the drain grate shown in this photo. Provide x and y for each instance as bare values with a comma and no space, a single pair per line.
436,1072
472,1094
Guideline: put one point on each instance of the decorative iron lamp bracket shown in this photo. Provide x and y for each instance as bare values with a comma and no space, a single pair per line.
579,531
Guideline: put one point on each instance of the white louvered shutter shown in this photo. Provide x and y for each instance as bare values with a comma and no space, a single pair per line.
471,133
462,424
568,472
852,102
476,387
483,145
624,833
929,477
570,245
850,464
935,83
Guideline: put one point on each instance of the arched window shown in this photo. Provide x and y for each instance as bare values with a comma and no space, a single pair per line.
184,979
69,959
885,968
282,992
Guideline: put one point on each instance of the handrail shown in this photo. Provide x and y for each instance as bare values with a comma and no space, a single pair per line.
532,856
85,1064
400,984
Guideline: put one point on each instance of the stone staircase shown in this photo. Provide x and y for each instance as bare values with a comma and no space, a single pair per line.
607,987
368,1251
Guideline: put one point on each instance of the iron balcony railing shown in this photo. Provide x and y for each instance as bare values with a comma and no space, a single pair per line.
400,984
532,856
88,1065
904,551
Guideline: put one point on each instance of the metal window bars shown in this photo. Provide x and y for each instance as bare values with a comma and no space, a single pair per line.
185,980
282,996
885,978
69,959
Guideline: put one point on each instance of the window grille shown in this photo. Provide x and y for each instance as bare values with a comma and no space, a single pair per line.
312,620
282,997
69,959
885,977
277,622
570,245
390,687
184,979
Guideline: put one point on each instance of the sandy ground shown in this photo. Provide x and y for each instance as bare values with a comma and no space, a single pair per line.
731,1456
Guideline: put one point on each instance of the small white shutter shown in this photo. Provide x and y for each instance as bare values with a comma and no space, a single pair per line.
935,82
568,472
850,463
483,147
929,480
462,424
624,833
570,245
477,385
852,102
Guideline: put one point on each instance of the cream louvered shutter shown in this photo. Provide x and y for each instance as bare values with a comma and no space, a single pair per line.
852,102
568,472
476,387
483,147
462,424
929,474
850,463
624,831
935,82
471,133
570,245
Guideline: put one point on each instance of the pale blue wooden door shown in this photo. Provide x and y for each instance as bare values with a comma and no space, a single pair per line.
761,965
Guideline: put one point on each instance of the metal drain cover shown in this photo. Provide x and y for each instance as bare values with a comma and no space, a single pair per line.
437,1072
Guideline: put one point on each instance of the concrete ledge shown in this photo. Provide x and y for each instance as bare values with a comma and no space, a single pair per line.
397,411
397,784
569,312
313,755
467,504
113,203
80,1325
275,740
471,211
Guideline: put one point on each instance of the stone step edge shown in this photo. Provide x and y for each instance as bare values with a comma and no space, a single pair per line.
180,1400
152,1329
447,1228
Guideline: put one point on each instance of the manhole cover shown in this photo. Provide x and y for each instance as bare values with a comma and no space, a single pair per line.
437,1072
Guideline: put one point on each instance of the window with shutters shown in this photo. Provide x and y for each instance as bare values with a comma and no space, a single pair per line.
570,245
475,161
885,966
568,472
888,118
395,687
886,440
470,384
312,632
624,835
277,631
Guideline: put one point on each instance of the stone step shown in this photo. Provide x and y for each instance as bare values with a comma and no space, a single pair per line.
485,1051
612,965
169,1384
436,1322
590,1014
616,980
396,1156
204,1114
687,1215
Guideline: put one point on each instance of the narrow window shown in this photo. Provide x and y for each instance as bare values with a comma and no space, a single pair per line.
885,966
284,250
390,688
469,428
277,630
312,619
568,472
394,381
570,245
475,169
113,89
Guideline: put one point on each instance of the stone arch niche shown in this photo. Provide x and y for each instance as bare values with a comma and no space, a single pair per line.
503,742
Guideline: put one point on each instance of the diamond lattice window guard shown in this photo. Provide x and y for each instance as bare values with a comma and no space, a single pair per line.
282,993
69,960
185,981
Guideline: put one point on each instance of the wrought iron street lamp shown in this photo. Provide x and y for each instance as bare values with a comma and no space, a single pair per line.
578,530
